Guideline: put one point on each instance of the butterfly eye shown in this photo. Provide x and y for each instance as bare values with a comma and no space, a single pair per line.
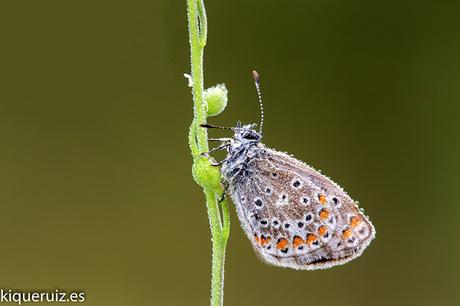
251,135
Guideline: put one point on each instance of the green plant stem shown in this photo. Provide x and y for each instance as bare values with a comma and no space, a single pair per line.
198,139
219,243
197,43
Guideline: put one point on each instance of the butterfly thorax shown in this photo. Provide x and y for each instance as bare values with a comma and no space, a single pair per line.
244,146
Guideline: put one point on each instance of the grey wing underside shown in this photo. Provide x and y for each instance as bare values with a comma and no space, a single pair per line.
296,217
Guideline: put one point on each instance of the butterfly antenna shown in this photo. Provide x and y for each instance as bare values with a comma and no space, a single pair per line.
257,83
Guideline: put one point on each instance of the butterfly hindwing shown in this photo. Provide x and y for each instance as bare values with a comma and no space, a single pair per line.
296,217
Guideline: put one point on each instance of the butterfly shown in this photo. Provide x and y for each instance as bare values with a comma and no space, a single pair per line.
294,216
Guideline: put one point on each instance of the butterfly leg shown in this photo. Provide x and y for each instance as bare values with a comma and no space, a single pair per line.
220,139
221,147
219,163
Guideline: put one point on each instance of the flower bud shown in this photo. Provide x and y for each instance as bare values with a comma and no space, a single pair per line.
216,99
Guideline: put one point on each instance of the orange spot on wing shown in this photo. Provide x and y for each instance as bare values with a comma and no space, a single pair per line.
322,199
281,244
256,238
354,222
264,240
297,241
310,238
322,230
324,214
346,234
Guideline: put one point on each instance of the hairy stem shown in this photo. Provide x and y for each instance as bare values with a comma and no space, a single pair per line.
219,221
219,243
197,43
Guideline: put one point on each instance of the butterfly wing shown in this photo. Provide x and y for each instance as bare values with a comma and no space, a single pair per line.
296,217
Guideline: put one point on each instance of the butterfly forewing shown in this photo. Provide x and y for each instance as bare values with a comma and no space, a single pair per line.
294,216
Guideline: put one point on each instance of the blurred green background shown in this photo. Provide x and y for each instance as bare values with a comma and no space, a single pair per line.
96,190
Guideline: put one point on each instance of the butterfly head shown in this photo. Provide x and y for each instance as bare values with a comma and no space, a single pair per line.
246,134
